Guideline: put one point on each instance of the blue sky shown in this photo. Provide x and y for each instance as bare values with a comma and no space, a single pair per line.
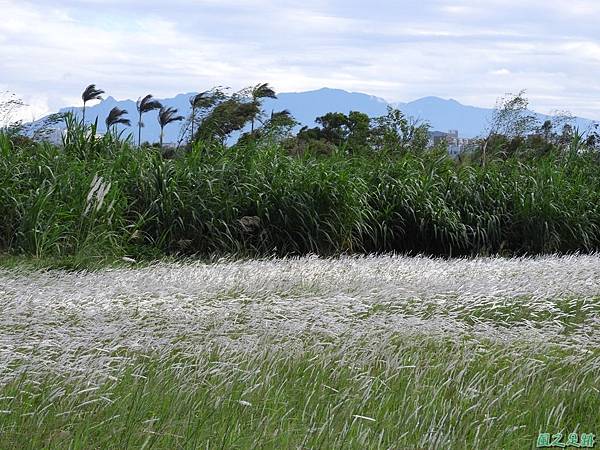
473,51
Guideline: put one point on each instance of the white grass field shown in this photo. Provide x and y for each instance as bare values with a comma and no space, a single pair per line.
373,352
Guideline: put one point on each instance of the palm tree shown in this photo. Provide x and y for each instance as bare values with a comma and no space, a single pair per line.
199,101
284,114
90,93
165,117
204,100
261,91
144,105
115,116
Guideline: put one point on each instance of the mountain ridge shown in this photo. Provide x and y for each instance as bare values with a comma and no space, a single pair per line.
442,114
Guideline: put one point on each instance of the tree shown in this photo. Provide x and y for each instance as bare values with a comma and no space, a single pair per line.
232,113
560,118
49,126
334,127
396,132
359,130
279,127
197,101
203,101
511,116
511,119
145,105
353,130
90,93
10,105
226,117
281,119
280,124
115,117
567,133
593,137
309,134
165,117
546,130
259,92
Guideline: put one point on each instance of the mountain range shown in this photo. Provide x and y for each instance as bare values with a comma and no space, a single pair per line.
441,114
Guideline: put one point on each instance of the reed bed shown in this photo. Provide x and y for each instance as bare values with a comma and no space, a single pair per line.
98,200
351,352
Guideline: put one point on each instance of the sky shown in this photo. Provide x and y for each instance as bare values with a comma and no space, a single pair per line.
472,50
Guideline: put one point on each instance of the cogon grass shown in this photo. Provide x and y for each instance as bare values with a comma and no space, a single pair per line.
448,396
352,352
361,203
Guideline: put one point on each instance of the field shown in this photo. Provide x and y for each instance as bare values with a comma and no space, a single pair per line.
352,352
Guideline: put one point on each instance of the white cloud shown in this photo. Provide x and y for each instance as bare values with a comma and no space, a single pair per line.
472,51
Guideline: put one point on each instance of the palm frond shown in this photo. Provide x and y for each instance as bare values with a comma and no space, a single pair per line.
201,100
147,104
91,93
166,115
207,99
263,90
115,116
281,114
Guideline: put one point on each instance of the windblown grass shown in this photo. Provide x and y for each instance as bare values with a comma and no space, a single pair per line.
96,201
383,352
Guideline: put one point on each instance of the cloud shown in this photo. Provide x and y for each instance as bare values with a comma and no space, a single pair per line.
472,51
501,72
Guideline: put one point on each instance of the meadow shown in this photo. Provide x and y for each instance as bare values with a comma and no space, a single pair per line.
333,297
352,352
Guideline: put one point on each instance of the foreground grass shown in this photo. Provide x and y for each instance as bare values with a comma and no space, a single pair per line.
377,352
408,394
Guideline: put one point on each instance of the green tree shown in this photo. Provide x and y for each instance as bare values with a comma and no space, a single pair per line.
359,130
511,118
398,133
567,133
90,93
226,117
203,101
334,127
145,105
281,120
278,127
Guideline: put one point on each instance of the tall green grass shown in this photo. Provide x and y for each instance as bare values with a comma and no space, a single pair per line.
441,395
101,199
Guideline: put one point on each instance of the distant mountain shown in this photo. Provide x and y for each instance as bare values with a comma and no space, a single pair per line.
441,114
444,115
470,121
306,106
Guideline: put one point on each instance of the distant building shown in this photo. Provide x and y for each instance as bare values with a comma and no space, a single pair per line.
454,149
437,137
455,144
